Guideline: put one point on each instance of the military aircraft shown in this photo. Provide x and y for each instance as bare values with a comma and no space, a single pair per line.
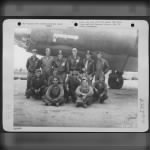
118,46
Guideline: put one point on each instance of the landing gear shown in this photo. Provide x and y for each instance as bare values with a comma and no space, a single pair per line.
115,80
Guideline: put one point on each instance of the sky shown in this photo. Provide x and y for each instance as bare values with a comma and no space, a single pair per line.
20,57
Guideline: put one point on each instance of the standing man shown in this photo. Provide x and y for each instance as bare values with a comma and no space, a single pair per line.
88,66
32,64
47,64
60,65
101,67
74,62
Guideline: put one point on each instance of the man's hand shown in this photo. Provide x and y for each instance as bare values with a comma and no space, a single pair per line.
102,94
67,88
83,69
55,99
35,90
90,77
84,96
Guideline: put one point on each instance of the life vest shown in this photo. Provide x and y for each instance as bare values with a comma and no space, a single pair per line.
84,90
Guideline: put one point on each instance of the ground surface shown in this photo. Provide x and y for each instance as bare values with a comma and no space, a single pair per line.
119,110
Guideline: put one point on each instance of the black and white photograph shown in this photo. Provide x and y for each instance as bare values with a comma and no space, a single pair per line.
77,75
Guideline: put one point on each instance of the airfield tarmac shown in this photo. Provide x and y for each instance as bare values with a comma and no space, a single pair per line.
118,111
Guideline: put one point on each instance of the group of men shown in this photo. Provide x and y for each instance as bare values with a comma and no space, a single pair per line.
58,80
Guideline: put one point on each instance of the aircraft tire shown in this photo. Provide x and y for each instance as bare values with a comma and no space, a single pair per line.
115,81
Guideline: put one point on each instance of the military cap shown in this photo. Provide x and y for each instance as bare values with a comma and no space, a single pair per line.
74,49
88,52
47,49
55,78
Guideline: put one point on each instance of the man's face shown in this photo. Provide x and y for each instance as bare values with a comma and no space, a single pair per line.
84,82
34,53
60,56
75,74
48,51
88,56
99,55
74,52
55,81
54,72
38,74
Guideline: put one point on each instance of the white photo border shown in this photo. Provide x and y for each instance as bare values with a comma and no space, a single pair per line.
9,26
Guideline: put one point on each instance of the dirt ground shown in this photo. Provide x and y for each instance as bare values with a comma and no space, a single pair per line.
119,110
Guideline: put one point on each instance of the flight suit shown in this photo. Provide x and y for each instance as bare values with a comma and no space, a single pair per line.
60,65
47,66
38,87
32,64
89,68
84,95
54,95
74,64
101,68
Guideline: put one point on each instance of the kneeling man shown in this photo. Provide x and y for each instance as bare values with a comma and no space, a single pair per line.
100,91
84,93
38,86
55,93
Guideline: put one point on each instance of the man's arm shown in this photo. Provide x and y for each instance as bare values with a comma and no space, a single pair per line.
53,64
90,93
80,64
47,93
93,68
65,61
83,65
78,91
61,92
27,64
106,66
68,65
41,63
